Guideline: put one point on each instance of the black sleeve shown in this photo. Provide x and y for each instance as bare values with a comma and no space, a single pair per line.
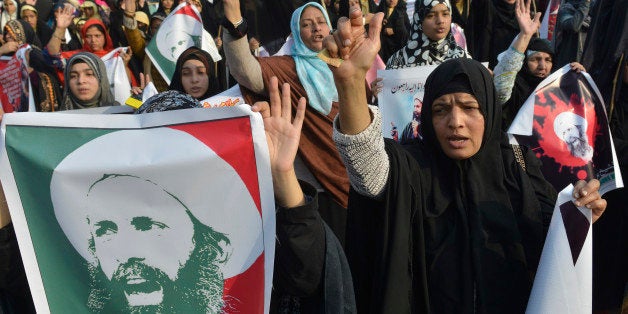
14,291
300,247
401,27
544,191
619,128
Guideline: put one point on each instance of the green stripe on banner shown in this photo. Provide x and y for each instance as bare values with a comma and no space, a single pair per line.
33,153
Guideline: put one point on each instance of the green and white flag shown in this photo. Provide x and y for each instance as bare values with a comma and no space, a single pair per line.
183,28
166,212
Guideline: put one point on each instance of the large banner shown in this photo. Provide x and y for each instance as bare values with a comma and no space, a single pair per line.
167,212
401,101
564,122
183,28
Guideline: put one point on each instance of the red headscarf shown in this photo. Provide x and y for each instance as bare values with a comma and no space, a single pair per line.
108,42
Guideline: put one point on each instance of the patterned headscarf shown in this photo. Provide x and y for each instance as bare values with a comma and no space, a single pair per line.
103,97
168,100
22,32
314,74
420,50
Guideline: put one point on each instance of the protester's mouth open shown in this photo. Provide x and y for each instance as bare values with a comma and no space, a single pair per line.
457,141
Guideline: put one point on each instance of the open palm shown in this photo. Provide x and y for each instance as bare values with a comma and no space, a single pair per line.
528,24
282,134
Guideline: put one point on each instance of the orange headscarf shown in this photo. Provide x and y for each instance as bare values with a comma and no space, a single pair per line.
108,42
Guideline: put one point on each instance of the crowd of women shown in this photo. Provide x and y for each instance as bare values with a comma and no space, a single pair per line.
449,222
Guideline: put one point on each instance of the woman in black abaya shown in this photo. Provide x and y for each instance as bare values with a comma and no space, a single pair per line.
452,224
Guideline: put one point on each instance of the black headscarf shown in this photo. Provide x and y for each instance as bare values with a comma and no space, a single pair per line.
451,236
195,53
161,9
525,82
502,29
103,97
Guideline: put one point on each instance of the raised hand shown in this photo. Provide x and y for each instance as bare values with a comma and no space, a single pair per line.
587,194
356,47
282,135
528,24
65,17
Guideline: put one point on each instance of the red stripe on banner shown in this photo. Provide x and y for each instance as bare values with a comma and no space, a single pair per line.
232,140
189,11
244,293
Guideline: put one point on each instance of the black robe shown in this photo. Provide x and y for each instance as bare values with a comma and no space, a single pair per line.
311,271
451,236
610,232
400,24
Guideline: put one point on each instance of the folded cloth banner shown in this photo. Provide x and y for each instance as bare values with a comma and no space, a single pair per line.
401,101
116,73
563,282
564,122
183,28
168,212
15,90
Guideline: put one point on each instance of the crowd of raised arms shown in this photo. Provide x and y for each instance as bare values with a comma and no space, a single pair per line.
447,221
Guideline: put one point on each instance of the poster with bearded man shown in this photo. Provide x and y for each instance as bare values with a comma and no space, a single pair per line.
167,212
564,123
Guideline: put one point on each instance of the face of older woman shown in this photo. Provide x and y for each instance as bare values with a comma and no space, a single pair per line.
83,82
540,64
94,38
437,23
313,28
458,124
194,78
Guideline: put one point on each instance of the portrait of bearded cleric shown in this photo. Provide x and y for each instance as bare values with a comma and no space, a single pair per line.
190,280
160,228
